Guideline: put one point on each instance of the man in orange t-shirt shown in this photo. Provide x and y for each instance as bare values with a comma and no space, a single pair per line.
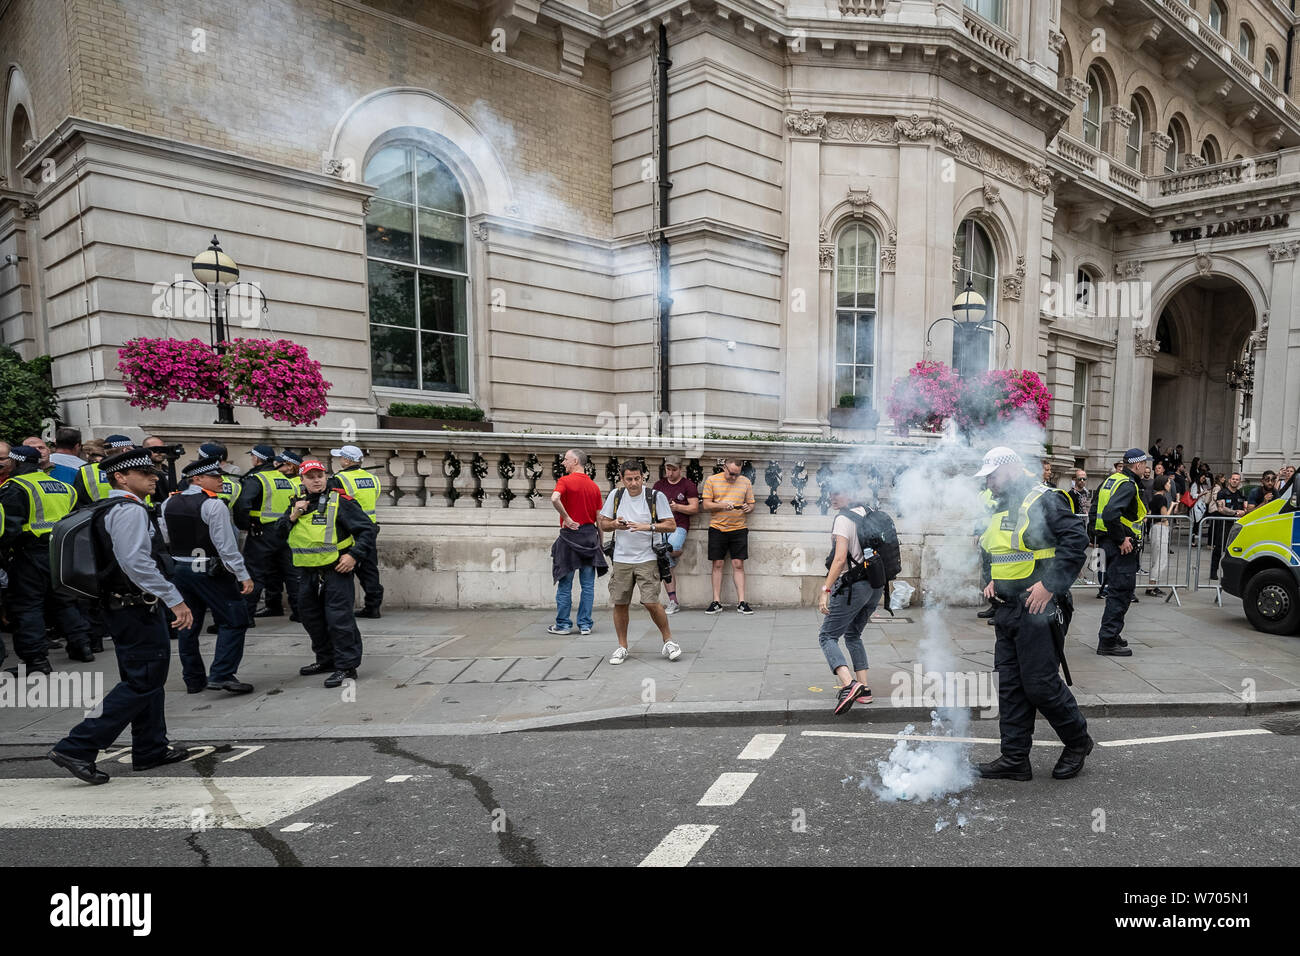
577,549
728,496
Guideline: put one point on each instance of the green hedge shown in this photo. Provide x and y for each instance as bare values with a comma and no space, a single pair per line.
459,413
27,400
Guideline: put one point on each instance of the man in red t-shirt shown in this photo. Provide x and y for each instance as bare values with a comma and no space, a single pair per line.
577,549
684,498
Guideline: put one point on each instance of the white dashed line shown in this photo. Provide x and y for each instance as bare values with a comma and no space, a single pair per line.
727,789
294,828
761,747
399,778
680,846
1165,740
941,740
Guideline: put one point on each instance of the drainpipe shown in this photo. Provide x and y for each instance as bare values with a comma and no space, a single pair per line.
665,265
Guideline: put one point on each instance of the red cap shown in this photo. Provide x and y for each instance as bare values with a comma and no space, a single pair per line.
309,465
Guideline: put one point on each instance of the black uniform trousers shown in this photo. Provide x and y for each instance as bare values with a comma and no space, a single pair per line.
1029,680
325,605
29,591
367,574
1121,580
270,565
141,639
218,593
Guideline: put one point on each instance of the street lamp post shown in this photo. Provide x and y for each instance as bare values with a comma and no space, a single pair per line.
969,315
217,272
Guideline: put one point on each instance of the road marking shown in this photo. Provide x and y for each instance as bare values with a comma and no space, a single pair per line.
398,778
680,845
1164,740
941,740
761,747
294,828
239,803
246,751
727,789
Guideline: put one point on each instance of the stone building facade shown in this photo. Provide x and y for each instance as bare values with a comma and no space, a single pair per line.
459,202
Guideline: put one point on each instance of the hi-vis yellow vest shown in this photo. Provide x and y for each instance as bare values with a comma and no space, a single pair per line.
277,491
1004,540
312,537
97,486
230,488
362,486
48,500
1103,496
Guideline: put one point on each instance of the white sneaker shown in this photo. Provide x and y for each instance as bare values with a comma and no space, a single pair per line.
672,650
672,608
585,631
619,655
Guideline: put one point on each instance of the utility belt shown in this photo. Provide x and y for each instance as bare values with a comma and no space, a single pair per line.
116,602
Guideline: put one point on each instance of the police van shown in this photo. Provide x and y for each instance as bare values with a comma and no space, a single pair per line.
1262,564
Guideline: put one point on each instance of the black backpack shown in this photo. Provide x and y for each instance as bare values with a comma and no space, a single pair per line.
876,532
81,557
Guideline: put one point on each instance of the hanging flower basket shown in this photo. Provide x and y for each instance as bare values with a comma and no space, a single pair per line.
932,393
926,398
277,377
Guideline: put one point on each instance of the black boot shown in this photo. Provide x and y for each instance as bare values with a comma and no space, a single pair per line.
96,645
370,612
1114,650
41,664
271,610
987,612
1004,768
1071,761
81,652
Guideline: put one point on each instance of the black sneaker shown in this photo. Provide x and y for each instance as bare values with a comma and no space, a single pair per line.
1004,768
744,608
848,695
987,612
1114,650
713,608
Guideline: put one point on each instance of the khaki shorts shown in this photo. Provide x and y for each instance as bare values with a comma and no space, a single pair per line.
624,577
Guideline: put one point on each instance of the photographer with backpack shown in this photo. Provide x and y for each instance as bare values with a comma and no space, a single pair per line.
864,550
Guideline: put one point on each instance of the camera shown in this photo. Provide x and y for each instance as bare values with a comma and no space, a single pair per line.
663,557
170,452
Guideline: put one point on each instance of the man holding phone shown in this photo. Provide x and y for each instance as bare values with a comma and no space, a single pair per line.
728,496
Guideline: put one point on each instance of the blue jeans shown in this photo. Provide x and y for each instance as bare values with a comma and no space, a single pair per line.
677,539
221,596
564,597
850,609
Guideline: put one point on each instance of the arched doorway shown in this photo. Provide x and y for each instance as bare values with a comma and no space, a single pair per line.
1200,390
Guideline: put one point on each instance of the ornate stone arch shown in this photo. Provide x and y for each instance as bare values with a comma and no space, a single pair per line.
17,96
1209,264
859,208
996,222
372,120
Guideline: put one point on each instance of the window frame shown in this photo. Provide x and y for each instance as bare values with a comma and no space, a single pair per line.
1216,11
1244,32
970,223
1138,125
978,7
1079,404
856,312
1094,81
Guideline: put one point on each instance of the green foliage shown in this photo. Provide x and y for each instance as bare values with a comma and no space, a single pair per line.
27,401
458,413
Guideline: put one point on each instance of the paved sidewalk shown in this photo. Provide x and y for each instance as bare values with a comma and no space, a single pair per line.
432,672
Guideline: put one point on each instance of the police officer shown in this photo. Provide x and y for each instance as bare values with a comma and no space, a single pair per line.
328,534
137,595
265,496
210,574
364,488
33,502
1120,517
91,484
1036,546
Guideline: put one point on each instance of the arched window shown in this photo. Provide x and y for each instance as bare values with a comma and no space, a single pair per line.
978,264
857,266
1270,66
1178,146
1136,130
1210,150
20,131
1165,335
1246,42
1092,109
994,11
1216,17
419,273
1084,298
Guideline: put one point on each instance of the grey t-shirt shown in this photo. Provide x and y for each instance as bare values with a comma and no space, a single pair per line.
633,547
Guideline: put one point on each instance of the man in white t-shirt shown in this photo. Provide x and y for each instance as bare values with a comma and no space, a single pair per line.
634,564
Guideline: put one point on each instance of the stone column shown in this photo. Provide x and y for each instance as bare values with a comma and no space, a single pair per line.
801,400
1277,365
1157,147
1115,122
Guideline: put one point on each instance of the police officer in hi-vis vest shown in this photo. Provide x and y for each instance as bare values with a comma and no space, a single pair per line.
32,503
328,534
264,498
364,488
1120,518
1036,546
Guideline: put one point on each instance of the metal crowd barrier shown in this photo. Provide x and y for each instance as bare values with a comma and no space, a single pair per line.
1211,536
1171,568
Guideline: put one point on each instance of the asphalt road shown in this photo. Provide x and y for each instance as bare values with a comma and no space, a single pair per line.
616,797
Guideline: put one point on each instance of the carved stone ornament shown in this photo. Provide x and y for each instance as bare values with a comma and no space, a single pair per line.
826,257
956,267
1076,87
1258,339
1203,264
806,123
1193,161
859,129
1130,269
914,129
366,204
1161,141
889,253
3,182
1284,251
29,145
1013,286
859,199
1039,178
1055,41
332,167
29,210
1122,116
991,195
481,231
821,235
1145,348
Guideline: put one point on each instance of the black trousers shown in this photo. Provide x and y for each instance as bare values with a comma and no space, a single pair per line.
325,605
367,574
220,595
1121,579
1218,535
142,642
29,591
272,569
1029,680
